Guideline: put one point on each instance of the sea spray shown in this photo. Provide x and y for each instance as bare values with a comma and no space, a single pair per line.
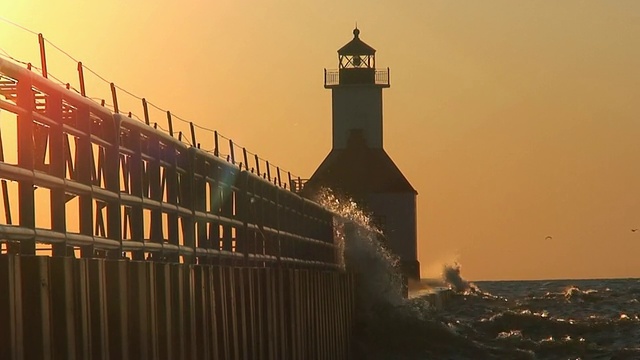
451,276
376,269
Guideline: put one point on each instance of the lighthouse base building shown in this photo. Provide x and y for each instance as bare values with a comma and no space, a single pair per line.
358,166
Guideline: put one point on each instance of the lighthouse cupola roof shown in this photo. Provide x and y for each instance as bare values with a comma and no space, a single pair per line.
356,46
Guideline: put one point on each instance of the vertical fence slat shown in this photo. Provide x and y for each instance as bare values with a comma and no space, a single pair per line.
211,302
178,302
164,311
36,307
117,308
151,310
221,314
241,312
138,308
250,305
189,312
11,340
64,308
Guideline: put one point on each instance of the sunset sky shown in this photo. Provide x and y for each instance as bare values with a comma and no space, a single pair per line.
514,120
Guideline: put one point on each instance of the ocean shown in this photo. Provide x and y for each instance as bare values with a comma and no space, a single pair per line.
554,319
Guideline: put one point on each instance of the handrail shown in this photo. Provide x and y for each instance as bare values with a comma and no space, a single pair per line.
176,183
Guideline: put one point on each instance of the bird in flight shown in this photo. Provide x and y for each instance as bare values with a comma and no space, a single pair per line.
548,237
634,230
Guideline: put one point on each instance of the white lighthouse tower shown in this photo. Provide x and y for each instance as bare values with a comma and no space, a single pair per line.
357,165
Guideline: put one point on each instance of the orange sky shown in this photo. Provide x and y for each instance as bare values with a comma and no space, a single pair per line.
513,120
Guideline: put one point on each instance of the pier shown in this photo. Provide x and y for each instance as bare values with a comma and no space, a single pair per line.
153,248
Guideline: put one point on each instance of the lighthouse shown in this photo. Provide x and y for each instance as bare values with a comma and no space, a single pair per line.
358,166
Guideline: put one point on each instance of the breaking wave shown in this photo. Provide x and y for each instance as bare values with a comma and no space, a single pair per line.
451,276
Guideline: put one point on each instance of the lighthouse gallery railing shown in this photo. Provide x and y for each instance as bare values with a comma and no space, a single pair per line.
332,77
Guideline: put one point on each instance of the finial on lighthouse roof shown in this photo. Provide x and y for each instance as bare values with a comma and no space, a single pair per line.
356,31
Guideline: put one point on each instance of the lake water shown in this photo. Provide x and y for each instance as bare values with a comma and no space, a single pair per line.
555,319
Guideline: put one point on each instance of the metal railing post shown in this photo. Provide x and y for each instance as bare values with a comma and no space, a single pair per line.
43,56
170,123
81,79
145,108
114,96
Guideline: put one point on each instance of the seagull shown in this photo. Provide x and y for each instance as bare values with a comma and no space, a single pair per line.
634,230
548,238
